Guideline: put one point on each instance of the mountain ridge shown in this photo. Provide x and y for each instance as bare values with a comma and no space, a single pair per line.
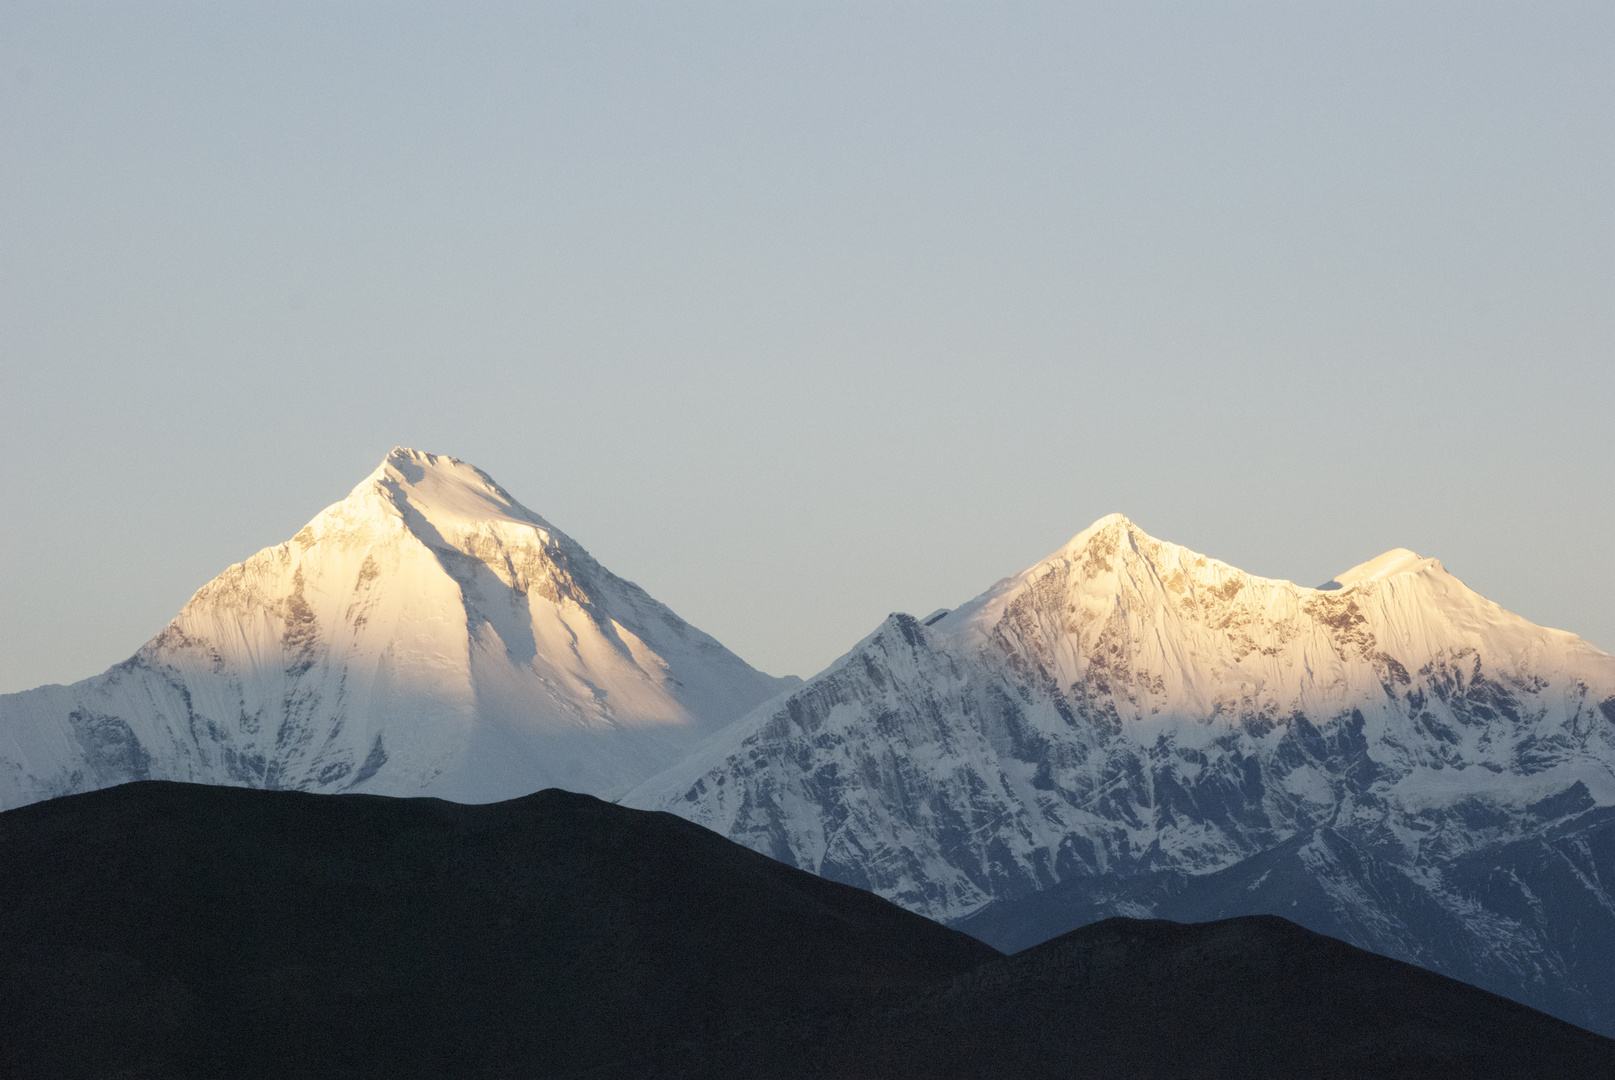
1127,707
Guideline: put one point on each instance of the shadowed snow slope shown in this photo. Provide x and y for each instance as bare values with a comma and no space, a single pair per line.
1128,708
426,635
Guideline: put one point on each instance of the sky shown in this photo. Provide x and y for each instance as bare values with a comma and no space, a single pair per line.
798,314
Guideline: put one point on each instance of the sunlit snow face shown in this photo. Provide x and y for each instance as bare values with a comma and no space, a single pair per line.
427,634
1129,705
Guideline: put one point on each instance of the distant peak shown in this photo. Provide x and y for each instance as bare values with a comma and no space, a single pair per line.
1110,525
1395,561
1104,524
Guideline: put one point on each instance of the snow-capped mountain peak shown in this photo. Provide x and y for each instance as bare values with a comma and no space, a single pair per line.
464,517
1127,704
427,634
1127,722
442,489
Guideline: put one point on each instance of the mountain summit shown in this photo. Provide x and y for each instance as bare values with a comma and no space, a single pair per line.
426,635
1128,718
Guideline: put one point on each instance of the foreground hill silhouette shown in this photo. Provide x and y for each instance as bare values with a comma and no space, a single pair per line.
164,929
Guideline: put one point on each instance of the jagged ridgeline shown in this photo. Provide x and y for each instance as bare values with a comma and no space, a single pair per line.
426,635
1117,729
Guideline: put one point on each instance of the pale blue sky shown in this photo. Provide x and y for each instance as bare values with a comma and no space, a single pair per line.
801,314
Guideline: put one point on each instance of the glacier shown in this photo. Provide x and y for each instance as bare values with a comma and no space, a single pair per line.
1131,728
427,635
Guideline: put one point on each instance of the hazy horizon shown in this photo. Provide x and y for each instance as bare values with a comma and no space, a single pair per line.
799,316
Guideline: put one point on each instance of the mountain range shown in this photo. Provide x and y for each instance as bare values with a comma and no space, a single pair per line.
1131,728
1127,728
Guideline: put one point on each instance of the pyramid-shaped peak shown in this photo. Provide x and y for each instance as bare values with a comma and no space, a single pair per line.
1113,534
1110,521
1107,524
443,488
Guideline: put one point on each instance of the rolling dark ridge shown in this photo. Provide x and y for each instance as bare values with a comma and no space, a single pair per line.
174,930
1549,883
165,929
1256,996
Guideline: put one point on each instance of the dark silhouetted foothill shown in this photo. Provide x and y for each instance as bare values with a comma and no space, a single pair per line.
174,930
